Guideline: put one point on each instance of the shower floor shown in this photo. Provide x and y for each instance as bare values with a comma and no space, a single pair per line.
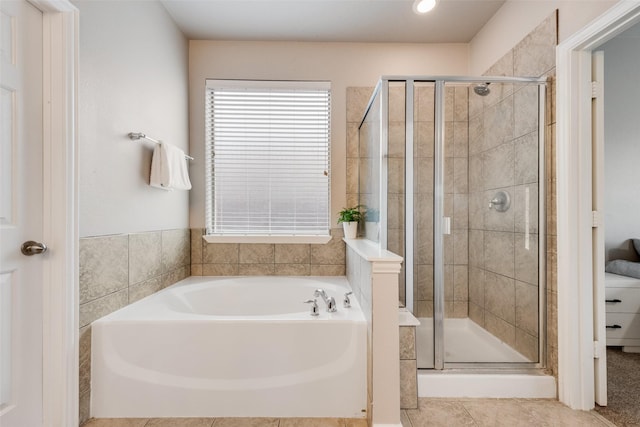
464,342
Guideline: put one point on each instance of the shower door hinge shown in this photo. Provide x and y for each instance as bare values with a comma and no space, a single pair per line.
595,219
595,89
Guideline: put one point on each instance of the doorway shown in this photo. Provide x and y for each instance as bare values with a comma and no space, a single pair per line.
581,318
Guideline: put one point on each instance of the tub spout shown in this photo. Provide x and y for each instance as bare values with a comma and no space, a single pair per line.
330,301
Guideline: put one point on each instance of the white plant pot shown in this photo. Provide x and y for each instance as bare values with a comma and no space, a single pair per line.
350,229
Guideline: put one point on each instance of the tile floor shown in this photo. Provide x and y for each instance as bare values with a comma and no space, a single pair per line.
430,412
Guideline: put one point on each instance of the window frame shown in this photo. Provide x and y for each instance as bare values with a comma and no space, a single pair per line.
258,237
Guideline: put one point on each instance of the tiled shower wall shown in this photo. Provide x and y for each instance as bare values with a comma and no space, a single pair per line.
117,270
252,259
503,155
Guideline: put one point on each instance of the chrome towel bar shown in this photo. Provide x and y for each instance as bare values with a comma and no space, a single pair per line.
139,135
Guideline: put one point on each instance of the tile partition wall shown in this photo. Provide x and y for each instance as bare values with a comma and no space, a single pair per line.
117,270
373,275
503,151
249,259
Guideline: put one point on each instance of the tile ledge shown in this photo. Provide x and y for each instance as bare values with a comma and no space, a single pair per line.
371,252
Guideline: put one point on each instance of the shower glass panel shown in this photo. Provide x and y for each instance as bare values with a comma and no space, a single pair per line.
459,177
371,136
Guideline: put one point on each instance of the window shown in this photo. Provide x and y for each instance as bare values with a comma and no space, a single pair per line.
267,158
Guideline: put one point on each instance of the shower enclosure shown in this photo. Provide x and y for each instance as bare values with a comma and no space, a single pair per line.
451,175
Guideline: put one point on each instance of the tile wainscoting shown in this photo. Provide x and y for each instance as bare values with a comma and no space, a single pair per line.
254,259
117,270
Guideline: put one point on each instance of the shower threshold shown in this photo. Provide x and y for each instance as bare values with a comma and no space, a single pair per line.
466,342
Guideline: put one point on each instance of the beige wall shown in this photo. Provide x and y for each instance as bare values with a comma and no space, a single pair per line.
133,78
344,64
517,18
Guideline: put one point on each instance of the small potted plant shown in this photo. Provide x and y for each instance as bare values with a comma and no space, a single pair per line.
349,217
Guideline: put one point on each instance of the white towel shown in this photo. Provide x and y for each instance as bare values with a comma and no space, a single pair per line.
169,168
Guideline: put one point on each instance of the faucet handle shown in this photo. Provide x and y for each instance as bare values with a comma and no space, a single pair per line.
314,307
347,301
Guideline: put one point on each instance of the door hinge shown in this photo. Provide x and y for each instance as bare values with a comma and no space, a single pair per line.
595,219
595,89
597,350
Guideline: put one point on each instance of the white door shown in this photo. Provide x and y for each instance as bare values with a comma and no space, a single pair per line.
20,214
597,135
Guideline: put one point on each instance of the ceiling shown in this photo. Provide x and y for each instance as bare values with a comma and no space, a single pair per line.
452,21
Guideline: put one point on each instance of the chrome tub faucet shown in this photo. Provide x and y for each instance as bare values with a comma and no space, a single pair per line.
330,301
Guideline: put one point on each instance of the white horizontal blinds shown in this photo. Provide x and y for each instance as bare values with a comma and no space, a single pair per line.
268,154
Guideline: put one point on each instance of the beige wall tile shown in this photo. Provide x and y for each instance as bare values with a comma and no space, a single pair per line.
397,139
498,123
526,258
353,140
461,139
256,269
460,283
500,296
176,275
145,256
501,329
146,288
196,245
424,139
460,309
196,269
220,269
476,135
408,384
460,175
292,254
327,270
176,249
407,342
526,158
476,248
103,266
477,285
535,54
353,170
84,352
256,254
476,313
292,269
84,407
498,166
499,252
84,377
519,203
357,101
220,253
527,345
97,308
329,253
527,308
525,109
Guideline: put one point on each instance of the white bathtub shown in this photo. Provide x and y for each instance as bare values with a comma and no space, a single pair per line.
241,346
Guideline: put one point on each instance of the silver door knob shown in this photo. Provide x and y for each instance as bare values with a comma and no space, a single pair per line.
30,247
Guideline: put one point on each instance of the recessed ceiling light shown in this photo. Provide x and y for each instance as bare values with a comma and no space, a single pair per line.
423,6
